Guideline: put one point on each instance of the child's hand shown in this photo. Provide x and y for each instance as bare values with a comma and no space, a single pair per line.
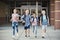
23,21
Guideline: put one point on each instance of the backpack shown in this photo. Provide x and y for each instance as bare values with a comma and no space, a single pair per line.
33,19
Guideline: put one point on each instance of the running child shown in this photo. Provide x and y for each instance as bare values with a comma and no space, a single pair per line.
15,19
34,21
26,18
44,22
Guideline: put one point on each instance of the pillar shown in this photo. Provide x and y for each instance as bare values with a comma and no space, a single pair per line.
36,8
57,14
52,12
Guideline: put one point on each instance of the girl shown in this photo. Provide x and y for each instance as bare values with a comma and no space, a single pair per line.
15,19
34,24
44,21
26,19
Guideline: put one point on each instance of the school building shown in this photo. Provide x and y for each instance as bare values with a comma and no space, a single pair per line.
51,6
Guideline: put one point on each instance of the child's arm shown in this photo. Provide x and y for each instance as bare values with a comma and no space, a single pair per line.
11,18
40,22
22,18
48,20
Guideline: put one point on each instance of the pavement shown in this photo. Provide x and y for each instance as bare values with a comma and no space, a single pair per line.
6,33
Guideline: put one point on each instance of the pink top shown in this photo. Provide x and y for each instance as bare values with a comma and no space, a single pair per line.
34,22
15,17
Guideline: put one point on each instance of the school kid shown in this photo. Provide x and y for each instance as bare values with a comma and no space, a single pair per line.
15,20
34,21
44,20
27,18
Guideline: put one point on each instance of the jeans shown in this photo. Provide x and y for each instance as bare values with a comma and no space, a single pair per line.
35,30
15,27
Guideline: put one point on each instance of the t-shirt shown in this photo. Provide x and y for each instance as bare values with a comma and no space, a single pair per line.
44,22
34,21
15,17
44,17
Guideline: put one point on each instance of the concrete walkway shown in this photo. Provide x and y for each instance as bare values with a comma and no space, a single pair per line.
6,34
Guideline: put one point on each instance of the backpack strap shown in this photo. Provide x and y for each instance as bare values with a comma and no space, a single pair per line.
42,17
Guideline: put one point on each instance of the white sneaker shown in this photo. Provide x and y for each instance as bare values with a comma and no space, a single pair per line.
13,36
17,34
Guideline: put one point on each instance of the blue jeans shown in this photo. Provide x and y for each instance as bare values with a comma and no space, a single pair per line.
15,27
35,30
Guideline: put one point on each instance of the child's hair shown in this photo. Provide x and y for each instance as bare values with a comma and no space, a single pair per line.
27,9
45,12
34,13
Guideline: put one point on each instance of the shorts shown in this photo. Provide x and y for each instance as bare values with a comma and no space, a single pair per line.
44,27
27,27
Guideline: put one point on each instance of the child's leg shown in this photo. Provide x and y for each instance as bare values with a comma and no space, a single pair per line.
13,26
33,28
25,31
43,30
13,30
35,31
17,27
28,30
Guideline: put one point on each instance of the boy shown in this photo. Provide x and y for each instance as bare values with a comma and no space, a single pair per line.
44,21
26,18
15,19
34,24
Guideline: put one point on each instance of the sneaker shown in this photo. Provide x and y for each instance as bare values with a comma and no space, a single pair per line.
25,35
28,35
35,36
17,34
43,37
13,36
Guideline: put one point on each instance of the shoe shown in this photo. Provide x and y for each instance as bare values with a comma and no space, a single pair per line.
13,36
28,35
43,37
25,35
35,36
17,34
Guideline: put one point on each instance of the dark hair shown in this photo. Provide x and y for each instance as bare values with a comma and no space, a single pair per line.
45,11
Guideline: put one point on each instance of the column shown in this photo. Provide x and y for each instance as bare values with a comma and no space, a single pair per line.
36,8
57,14
30,11
52,12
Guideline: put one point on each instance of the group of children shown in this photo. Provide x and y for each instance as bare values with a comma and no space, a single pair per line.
28,19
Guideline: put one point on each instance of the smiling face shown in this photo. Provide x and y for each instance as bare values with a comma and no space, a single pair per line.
27,12
14,10
43,12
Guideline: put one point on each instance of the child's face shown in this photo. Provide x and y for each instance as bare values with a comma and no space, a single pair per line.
14,10
43,12
34,15
27,12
